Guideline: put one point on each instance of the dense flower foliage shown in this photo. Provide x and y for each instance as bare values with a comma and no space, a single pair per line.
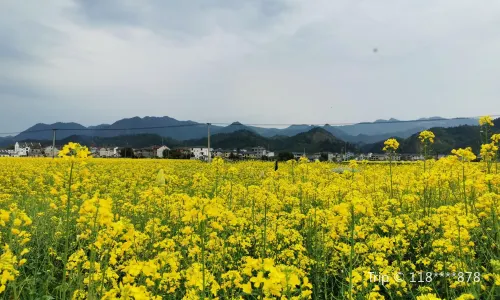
166,229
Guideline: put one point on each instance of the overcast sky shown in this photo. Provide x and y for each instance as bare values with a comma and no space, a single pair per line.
254,61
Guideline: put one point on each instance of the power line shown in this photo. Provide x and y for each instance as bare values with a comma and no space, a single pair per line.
103,129
132,128
248,124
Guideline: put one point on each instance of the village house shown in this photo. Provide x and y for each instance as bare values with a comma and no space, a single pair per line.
36,150
48,151
5,153
334,157
200,152
21,150
363,156
251,155
94,151
105,152
218,153
411,157
376,157
160,150
144,153
315,156
185,151
109,152
259,151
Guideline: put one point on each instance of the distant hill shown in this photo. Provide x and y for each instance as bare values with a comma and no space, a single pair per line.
233,140
393,126
446,140
6,141
314,140
44,131
181,130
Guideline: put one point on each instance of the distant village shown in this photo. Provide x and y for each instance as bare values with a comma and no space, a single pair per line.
202,153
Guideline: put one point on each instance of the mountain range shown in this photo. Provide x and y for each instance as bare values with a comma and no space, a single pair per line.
312,141
446,140
360,133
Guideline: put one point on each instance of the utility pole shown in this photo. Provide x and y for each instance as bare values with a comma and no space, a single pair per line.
53,142
208,139
345,151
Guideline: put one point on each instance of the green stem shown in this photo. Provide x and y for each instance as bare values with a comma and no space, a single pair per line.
351,254
66,243
463,184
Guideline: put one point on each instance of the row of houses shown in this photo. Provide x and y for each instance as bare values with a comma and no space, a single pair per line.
25,149
337,157
201,153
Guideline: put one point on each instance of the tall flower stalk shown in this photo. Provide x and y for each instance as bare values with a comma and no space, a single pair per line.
465,156
485,122
426,139
390,147
72,152
495,139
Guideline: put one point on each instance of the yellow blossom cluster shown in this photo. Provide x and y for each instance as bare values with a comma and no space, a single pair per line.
74,150
184,229
486,121
391,145
464,154
426,135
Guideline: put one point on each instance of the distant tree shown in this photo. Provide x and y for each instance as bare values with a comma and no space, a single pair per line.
233,156
175,154
323,157
284,156
127,152
264,158
178,154
166,153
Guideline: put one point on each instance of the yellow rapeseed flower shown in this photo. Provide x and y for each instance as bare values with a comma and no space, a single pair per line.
486,120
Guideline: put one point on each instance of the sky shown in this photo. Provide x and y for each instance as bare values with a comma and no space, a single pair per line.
253,61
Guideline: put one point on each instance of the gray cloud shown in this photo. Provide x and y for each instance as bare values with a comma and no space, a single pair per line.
181,19
283,61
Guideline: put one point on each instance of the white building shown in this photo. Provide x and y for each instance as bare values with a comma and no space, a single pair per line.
159,151
94,151
48,151
200,152
259,151
109,152
21,150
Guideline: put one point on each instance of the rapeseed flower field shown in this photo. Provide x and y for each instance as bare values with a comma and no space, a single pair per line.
83,228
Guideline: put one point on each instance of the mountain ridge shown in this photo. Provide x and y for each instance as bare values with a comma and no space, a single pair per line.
362,133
